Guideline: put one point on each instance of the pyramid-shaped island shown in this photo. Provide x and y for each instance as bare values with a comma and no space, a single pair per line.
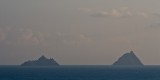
42,61
128,59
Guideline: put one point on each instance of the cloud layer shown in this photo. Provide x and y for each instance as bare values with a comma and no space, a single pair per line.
115,13
20,36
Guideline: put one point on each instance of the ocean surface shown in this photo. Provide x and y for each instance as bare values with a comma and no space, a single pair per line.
80,73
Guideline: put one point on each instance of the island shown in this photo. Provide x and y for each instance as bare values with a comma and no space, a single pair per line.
128,59
42,61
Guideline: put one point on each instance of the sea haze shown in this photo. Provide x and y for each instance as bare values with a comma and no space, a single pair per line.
80,73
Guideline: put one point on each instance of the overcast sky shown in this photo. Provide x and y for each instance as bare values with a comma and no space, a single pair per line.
79,32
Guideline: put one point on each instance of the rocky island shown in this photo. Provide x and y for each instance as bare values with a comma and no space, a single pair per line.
128,59
42,61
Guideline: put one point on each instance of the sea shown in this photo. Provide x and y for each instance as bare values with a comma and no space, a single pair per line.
92,72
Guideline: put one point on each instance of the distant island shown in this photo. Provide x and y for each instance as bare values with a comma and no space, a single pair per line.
42,61
128,59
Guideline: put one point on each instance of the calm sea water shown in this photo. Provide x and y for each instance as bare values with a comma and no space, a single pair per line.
80,73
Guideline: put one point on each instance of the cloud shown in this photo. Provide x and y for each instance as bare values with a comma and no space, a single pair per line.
143,14
28,37
116,13
21,36
112,13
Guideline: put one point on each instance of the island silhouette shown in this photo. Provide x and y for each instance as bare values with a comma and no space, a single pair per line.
42,61
128,59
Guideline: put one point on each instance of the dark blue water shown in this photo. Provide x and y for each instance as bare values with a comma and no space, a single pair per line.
80,73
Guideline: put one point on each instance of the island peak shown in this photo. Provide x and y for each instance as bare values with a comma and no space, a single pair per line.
128,59
42,58
42,61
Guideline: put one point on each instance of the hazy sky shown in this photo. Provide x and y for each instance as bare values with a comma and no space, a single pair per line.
79,32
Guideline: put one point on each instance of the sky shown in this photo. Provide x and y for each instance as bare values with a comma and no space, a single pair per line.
79,32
